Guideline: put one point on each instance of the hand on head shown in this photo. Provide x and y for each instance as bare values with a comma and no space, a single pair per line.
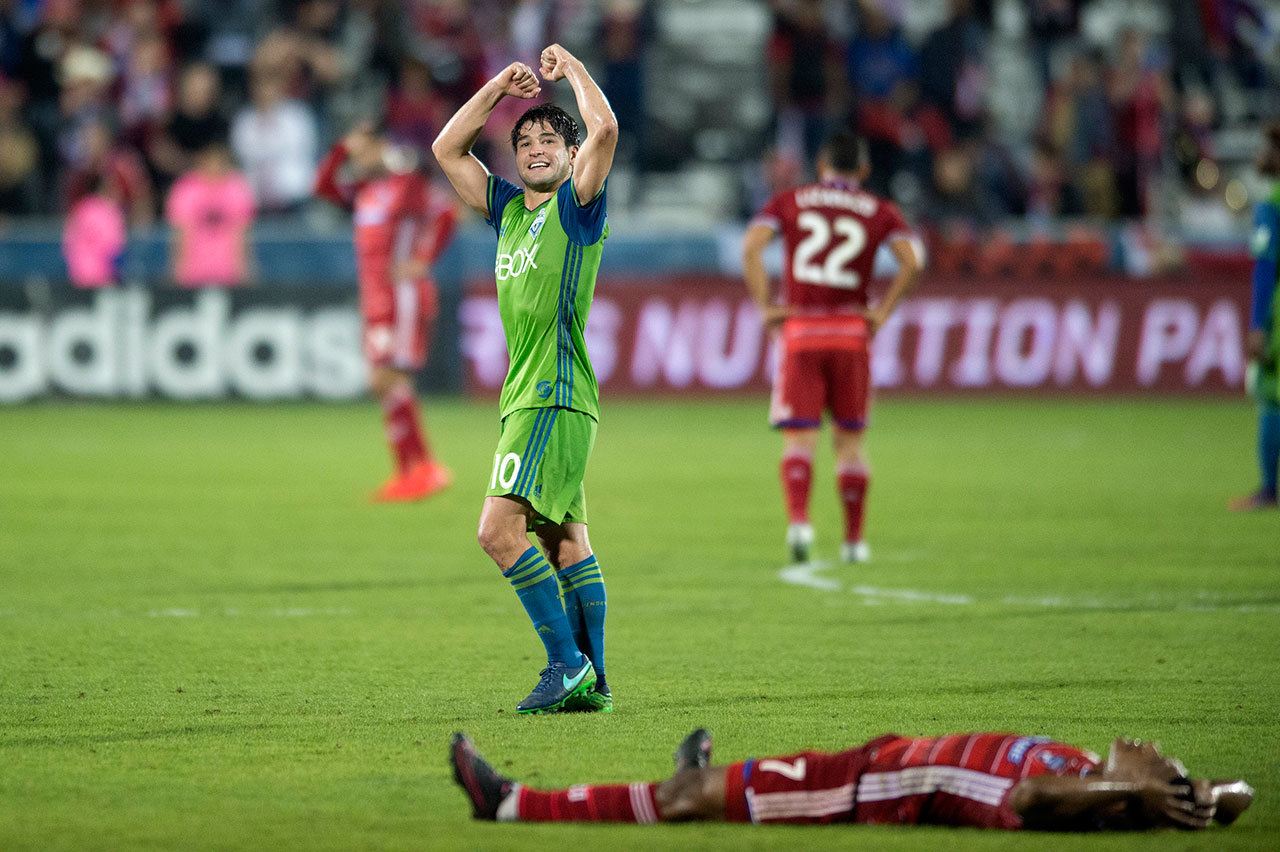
1169,797
1177,803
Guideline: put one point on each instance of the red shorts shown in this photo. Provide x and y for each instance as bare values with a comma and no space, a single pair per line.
810,787
397,323
811,381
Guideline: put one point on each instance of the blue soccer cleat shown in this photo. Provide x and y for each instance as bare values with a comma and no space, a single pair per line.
559,683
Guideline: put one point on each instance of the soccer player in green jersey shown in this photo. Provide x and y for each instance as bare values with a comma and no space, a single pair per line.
551,233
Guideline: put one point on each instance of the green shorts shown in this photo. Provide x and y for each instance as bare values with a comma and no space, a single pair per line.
542,459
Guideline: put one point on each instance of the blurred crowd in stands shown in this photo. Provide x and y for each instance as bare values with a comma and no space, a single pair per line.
141,92
1113,116
181,109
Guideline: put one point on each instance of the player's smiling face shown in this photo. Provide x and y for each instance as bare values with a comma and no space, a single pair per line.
542,158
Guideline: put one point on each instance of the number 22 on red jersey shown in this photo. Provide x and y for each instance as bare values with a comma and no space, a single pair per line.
841,239
831,232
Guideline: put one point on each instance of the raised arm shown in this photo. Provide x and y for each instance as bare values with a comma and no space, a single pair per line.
452,147
327,185
757,239
595,157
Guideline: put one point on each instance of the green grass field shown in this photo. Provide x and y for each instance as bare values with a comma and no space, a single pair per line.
208,639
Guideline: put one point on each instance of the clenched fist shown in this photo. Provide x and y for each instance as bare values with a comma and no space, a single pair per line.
555,61
518,81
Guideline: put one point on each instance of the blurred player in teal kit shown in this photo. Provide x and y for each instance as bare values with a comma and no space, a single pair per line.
1264,329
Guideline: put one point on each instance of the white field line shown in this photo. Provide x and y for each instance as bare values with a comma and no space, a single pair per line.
812,576
912,595
807,575
173,613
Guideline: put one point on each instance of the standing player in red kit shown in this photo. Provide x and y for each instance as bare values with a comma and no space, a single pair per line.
1003,781
401,227
831,231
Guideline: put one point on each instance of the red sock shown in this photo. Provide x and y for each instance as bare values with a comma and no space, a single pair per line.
603,803
796,472
404,431
853,483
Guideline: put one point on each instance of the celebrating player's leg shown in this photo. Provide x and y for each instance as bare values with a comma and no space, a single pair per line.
1003,781
582,588
551,231
831,231
401,227
1264,331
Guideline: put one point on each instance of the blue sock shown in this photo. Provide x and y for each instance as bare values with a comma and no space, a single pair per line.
585,605
535,584
573,612
1269,447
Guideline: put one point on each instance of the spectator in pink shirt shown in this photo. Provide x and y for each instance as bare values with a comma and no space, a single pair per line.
94,239
210,209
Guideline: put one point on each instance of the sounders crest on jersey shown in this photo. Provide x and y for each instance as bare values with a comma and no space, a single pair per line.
536,227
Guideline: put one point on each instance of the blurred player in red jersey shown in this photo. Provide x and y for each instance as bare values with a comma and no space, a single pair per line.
831,231
401,227
1005,781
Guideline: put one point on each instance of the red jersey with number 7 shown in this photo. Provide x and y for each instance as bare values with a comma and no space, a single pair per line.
831,232
963,780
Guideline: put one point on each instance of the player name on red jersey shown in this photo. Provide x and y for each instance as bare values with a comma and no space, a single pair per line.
820,195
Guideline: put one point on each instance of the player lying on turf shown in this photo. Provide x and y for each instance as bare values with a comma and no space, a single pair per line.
964,780
551,231
401,227
831,231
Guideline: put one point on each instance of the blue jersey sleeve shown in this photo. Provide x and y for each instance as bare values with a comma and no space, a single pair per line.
584,223
501,191
1266,254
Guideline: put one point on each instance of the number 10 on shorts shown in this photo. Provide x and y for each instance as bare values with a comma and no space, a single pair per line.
505,470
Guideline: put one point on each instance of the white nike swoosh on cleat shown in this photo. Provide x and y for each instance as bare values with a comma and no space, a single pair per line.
570,684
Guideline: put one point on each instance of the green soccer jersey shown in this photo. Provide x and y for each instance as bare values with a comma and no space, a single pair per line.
546,276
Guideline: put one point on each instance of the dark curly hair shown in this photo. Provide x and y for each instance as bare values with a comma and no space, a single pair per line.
554,117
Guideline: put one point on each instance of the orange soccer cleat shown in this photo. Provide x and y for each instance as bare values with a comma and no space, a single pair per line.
418,483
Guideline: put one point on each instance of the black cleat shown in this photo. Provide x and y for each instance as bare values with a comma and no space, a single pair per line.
694,751
483,785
